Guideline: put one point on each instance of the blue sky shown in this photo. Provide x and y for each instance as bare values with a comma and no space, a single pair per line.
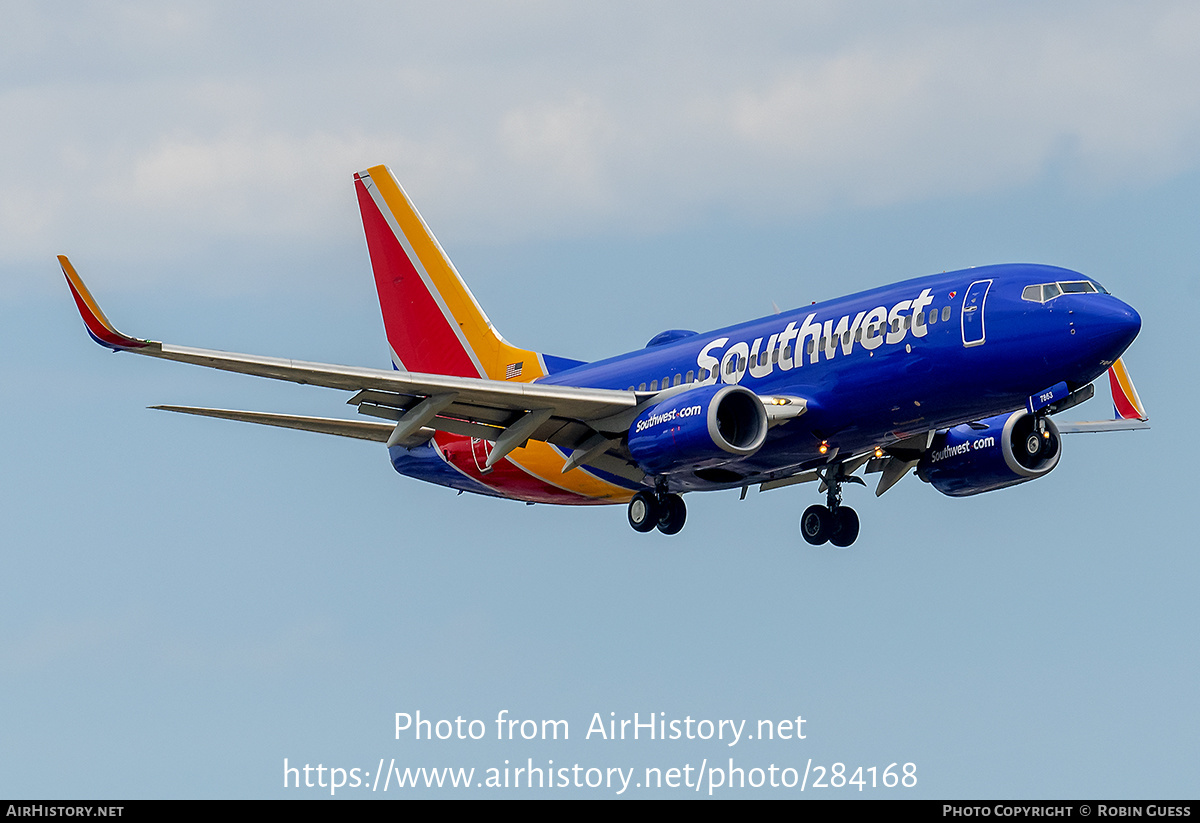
186,602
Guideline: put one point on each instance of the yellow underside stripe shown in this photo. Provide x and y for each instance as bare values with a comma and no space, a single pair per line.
541,460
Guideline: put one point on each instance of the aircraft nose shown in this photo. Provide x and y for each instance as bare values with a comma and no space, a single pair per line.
1113,324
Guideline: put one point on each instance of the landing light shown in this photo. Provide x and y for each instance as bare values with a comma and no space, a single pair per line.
824,447
878,452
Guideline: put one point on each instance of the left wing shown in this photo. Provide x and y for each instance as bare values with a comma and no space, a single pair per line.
509,414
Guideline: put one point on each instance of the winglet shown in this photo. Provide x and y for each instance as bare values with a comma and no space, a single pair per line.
1126,403
1129,413
97,324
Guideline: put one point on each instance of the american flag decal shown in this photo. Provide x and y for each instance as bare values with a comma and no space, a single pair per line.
513,370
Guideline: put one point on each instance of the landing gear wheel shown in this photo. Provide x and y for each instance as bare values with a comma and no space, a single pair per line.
816,524
645,512
845,527
674,512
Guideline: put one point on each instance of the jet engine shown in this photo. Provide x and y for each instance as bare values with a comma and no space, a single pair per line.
698,428
992,454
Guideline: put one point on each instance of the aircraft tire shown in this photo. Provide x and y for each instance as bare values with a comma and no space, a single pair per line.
845,527
816,524
644,512
674,513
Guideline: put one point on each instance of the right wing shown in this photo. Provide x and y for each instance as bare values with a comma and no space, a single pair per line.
1128,412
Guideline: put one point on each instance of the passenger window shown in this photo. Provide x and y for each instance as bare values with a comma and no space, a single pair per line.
641,387
945,314
858,335
811,345
690,375
678,379
932,316
774,355
653,385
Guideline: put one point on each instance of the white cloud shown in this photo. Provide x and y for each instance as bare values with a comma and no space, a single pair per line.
538,119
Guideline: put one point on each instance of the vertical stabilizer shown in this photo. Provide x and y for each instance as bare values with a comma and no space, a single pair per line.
432,321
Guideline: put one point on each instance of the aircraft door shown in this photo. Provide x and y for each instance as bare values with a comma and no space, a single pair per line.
972,313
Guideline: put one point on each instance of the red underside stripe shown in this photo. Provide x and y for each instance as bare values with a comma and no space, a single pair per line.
504,476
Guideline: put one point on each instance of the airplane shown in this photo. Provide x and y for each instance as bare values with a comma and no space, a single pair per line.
954,377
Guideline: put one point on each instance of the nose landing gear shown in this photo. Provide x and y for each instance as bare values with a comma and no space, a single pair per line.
833,522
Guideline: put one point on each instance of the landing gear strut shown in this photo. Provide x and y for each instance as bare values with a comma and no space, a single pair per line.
658,509
833,522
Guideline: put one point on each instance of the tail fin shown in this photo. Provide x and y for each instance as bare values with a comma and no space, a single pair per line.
432,321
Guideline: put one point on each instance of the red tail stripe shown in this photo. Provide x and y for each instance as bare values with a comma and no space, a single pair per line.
416,328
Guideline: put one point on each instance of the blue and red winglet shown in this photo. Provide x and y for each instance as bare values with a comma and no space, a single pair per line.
97,324
1126,403
1130,414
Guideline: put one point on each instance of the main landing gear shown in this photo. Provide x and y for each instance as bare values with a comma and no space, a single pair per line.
832,523
657,509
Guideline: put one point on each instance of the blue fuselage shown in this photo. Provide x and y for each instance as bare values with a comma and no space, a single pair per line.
923,354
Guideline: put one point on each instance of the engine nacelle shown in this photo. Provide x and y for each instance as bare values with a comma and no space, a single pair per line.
698,428
1012,449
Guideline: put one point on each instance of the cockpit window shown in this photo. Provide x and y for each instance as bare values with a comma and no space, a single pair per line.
1078,287
1048,291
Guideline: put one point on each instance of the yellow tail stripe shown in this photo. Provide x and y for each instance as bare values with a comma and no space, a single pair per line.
493,352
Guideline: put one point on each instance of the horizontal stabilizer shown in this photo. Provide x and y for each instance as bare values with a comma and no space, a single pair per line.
359,429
